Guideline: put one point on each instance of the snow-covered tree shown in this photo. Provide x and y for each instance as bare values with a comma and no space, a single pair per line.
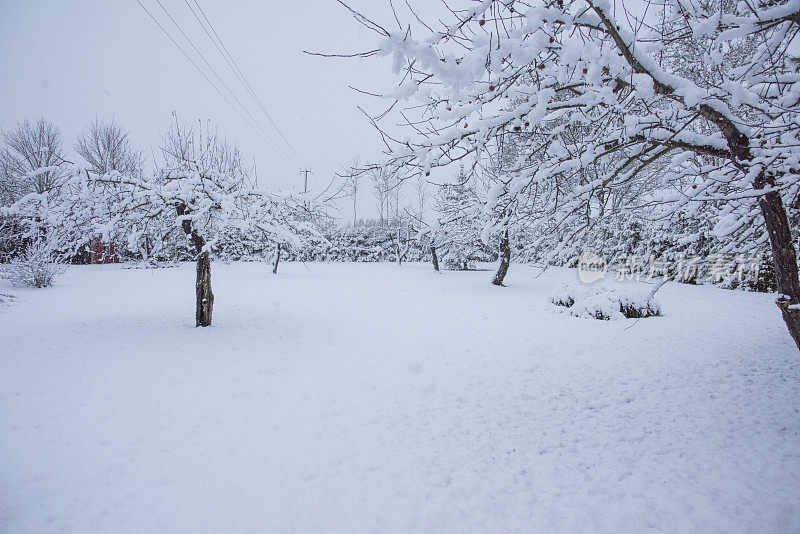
204,194
458,229
706,92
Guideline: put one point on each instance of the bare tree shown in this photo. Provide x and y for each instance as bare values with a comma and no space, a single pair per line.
9,187
421,193
394,213
106,147
381,183
352,185
387,185
184,148
31,158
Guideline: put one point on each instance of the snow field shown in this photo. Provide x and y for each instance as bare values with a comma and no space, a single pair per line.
378,398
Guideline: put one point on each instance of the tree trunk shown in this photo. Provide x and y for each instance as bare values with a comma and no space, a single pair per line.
505,260
277,260
205,298
784,260
434,258
784,257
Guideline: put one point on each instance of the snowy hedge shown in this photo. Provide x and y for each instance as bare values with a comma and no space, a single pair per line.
350,244
670,242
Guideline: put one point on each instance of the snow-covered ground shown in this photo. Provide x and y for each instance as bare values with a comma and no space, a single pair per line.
378,398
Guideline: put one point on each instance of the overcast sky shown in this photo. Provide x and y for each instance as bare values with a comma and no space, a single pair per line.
70,60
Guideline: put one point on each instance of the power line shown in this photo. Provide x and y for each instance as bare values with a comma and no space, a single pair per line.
226,55
239,74
186,55
225,85
266,141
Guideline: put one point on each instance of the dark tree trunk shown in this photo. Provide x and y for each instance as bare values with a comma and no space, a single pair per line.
398,250
205,298
505,260
434,258
784,257
784,260
277,260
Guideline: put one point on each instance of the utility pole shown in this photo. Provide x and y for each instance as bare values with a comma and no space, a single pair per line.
255,171
305,185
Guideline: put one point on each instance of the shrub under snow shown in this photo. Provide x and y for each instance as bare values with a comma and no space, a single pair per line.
604,302
35,268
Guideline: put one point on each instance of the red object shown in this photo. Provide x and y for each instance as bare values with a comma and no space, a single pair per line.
104,252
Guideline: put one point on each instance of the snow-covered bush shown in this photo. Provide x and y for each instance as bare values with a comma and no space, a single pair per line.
455,259
604,302
38,266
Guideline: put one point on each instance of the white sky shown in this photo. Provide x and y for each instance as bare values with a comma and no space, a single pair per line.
72,60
